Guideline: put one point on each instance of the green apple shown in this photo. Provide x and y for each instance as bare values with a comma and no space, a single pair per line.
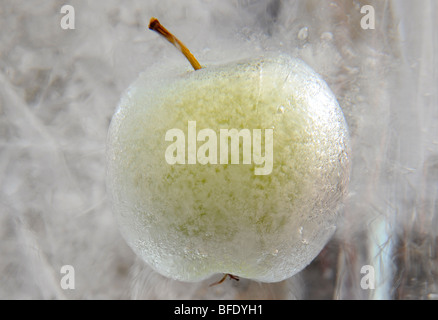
190,221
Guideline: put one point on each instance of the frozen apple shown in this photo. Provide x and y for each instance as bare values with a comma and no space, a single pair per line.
190,207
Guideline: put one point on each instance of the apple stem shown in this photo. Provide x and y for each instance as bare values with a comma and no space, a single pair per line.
155,25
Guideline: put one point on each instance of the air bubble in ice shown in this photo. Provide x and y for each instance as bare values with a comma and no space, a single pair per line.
303,34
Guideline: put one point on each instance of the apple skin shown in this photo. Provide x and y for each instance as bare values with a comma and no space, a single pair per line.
189,222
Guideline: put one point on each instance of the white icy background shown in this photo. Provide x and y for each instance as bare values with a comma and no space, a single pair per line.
59,88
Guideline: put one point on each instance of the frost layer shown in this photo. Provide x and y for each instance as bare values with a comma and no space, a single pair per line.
191,221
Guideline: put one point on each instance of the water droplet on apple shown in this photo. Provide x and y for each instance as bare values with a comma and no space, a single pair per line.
303,239
281,109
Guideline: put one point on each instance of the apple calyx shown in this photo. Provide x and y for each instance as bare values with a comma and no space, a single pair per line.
223,279
155,25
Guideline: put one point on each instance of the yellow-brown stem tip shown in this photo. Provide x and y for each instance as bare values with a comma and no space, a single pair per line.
153,23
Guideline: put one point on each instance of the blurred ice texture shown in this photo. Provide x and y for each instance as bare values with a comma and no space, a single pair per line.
59,88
